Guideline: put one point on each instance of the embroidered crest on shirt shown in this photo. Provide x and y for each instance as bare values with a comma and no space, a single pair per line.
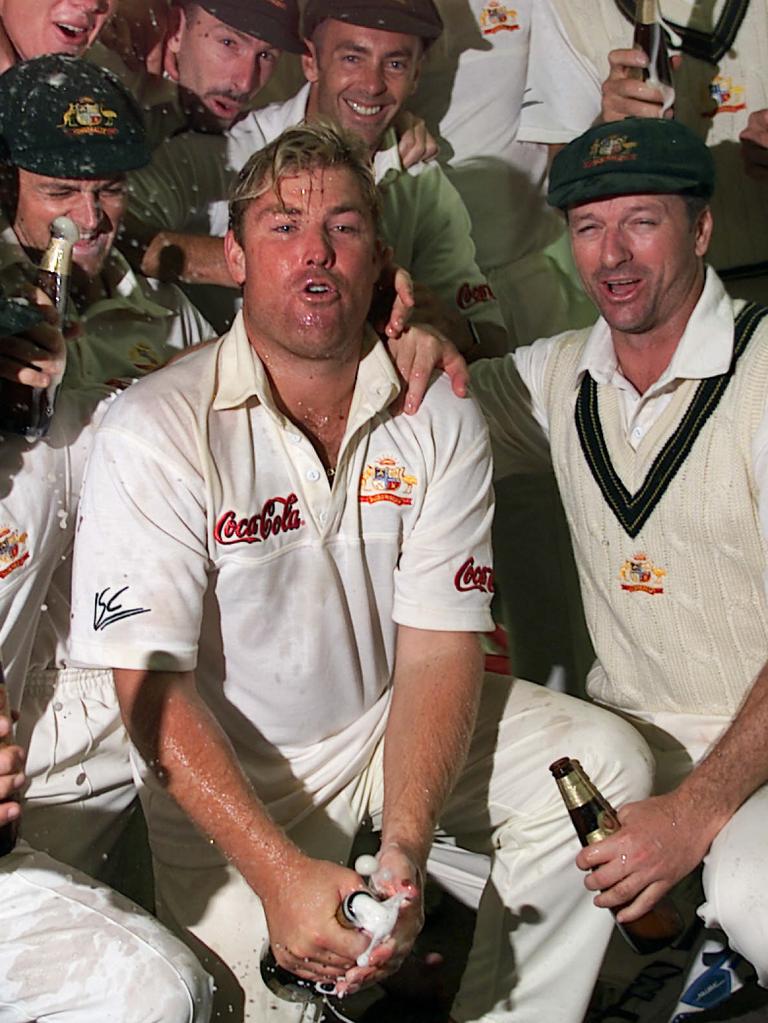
725,96
88,117
474,577
495,17
143,358
277,515
473,294
611,149
13,551
386,480
638,574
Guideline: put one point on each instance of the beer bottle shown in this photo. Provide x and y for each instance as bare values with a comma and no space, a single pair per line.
25,410
7,831
650,37
594,819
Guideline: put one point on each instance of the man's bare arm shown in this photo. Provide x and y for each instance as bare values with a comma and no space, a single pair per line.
191,258
189,753
435,696
665,837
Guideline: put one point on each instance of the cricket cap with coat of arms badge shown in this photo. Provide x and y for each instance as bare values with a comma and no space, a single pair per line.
636,156
272,21
64,117
411,17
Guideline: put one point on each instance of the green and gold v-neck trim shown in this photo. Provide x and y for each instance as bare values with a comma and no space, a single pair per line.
634,510
709,46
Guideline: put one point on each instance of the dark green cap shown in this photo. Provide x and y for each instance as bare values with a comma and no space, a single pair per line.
273,21
411,17
67,118
635,156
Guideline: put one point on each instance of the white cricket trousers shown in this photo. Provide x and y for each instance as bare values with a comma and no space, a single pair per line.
539,941
736,866
73,951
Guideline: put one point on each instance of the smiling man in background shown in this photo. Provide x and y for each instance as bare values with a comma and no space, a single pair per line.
34,29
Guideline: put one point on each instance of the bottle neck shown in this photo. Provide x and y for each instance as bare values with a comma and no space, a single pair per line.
647,12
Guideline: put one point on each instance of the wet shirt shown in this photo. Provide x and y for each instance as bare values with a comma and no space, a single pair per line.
211,539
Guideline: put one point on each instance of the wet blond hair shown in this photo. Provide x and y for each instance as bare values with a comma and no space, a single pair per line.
305,147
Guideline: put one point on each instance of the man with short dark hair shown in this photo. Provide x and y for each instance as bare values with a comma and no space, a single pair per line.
296,649
70,133
69,946
362,64
217,55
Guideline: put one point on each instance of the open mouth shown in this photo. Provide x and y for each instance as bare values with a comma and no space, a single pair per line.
75,34
320,290
621,287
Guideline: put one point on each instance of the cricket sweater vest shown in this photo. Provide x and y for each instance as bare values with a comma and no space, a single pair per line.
667,538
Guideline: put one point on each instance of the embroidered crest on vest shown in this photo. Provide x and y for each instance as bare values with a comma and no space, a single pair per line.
638,574
634,510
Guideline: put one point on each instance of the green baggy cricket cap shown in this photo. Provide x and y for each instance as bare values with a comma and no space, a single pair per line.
636,156
273,21
411,17
67,118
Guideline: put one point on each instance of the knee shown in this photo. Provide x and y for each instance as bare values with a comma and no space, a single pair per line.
740,909
616,757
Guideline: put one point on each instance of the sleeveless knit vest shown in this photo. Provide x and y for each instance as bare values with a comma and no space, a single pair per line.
673,587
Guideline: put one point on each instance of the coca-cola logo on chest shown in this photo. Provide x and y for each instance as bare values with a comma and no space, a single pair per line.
277,515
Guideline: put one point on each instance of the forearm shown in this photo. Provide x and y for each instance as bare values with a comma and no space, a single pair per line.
192,757
738,763
434,704
191,258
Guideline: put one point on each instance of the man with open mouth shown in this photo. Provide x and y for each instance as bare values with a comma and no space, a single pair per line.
30,30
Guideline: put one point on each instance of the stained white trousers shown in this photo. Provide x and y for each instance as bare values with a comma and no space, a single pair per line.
72,951
736,867
539,940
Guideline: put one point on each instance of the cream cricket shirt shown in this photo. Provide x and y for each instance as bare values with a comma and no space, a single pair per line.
210,538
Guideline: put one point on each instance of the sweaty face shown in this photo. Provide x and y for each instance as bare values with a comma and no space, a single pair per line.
639,257
219,68
361,77
307,265
38,27
96,207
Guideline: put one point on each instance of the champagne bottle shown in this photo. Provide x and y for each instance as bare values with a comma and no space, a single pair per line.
594,819
650,37
24,410
7,831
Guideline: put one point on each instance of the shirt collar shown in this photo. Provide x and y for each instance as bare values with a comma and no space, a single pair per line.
704,350
241,376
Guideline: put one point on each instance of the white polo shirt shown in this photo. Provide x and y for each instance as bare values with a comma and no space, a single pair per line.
210,539
185,188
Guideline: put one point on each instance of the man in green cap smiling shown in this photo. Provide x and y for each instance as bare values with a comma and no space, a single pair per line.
657,423
69,133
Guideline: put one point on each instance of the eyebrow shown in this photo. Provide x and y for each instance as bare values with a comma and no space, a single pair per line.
361,48
277,209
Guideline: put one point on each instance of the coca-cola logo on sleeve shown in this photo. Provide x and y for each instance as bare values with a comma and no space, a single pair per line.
473,294
474,577
277,515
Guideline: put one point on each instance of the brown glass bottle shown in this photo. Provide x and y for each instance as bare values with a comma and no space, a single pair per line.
594,819
27,411
7,831
650,37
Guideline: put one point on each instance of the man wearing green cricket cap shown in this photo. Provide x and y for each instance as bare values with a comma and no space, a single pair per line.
69,134
657,424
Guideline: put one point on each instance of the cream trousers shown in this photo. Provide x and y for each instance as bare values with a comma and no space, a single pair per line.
539,940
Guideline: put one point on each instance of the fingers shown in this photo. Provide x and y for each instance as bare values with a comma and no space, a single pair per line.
403,304
624,92
12,777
